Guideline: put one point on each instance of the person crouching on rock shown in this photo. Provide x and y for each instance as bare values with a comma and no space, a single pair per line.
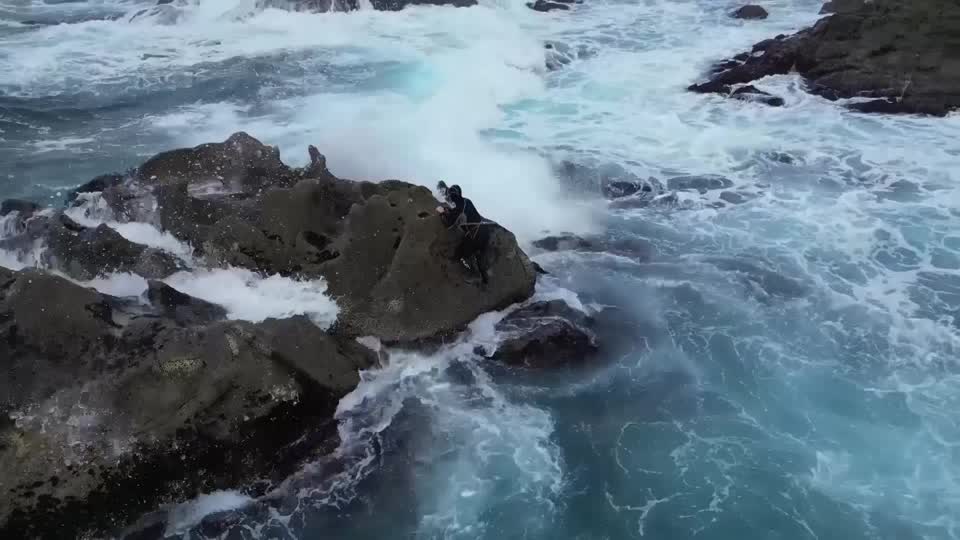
475,229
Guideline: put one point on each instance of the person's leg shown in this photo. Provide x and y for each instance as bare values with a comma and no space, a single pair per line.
481,260
461,251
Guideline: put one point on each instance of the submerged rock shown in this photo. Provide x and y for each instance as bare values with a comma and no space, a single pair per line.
545,6
889,51
765,281
732,197
397,5
755,95
545,334
380,5
560,54
612,180
750,11
701,184
635,248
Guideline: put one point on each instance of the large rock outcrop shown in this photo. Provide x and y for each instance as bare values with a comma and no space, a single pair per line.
901,56
108,412
380,246
112,406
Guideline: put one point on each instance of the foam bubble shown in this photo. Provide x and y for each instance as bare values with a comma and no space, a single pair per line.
247,296
149,235
184,516
250,297
91,210
121,285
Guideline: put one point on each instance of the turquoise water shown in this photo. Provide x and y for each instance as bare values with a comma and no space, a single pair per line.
785,368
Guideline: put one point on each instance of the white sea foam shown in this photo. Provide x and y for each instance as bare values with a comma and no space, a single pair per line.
93,211
411,96
246,295
184,516
122,285
251,297
477,440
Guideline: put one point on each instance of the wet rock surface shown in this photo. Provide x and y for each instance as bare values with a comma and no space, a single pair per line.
634,248
750,12
112,406
896,56
88,252
546,334
117,410
755,95
350,5
545,6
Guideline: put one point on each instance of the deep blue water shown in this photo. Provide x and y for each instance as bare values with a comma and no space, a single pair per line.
785,368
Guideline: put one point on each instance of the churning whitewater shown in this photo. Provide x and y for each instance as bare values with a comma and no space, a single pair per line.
777,362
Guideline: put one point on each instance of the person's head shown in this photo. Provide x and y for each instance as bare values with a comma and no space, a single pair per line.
455,194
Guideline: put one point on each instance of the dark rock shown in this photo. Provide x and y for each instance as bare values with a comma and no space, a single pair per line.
616,190
565,242
755,95
183,308
380,5
643,199
559,54
53,329
85,253
100,183
892,51
842,6
318,165
886,106
169,411
405,286
545,334
701,184
750,11
771,57
545,6
383,251
241,163
397,5
25,209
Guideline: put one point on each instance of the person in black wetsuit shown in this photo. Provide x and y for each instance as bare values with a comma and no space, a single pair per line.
476,230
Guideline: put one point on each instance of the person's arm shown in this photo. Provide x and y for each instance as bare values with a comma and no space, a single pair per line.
449,215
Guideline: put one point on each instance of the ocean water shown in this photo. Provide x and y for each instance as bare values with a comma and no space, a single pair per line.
784,368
